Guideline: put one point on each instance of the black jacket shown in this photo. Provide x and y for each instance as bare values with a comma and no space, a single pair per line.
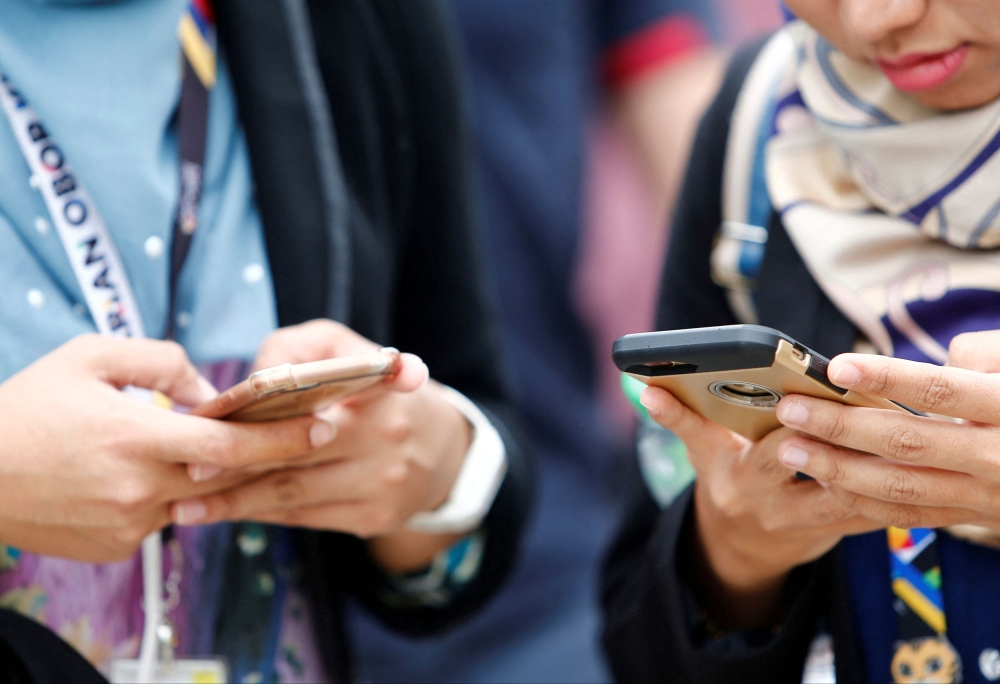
352,113
651,612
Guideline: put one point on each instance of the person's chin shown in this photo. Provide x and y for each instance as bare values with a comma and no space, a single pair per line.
974,87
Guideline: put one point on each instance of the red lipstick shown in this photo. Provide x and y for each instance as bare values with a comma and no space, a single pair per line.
922,71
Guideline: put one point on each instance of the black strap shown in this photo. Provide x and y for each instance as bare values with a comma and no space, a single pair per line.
192,120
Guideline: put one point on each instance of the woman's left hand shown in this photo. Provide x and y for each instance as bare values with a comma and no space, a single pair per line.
932,472
396,449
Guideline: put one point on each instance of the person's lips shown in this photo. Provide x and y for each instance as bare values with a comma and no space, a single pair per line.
923,71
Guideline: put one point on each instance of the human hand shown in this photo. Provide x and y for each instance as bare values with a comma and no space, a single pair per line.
397,450
87,471
754,520
933,473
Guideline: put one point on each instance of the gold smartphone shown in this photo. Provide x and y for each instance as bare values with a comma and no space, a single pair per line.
299,389
734,375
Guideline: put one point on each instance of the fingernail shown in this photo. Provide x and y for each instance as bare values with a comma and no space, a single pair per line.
321,433
201,473
794,457
847,375
824,485
793,413
644,400
190,512
208,391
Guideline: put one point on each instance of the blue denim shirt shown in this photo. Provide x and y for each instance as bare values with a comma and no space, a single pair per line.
105,80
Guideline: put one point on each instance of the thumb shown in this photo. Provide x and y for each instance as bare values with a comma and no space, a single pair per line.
701,435
412,374
148,364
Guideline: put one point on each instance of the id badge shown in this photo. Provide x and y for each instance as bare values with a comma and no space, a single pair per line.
180,671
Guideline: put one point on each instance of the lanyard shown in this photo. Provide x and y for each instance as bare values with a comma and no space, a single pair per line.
922,651
96,262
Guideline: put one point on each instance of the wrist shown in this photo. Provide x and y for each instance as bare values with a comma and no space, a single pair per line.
482,470
740,573
404,551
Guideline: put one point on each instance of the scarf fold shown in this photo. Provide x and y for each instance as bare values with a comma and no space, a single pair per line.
894,207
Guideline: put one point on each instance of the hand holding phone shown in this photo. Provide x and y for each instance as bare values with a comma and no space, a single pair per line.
753,519
394,449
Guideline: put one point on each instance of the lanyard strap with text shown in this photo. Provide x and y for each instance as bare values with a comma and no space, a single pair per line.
85,237
98,267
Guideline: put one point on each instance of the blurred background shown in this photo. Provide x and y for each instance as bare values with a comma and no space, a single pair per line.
582,112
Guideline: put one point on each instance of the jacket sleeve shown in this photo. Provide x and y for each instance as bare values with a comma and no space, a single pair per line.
442,310
652,626
653,621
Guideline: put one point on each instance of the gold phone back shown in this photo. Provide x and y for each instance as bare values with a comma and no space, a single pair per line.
786,376
302,402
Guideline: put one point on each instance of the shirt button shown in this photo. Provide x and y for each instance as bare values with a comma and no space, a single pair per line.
42,226
183,319
252,273
36,298
153,247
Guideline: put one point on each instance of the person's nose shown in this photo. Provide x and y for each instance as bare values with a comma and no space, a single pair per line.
875,20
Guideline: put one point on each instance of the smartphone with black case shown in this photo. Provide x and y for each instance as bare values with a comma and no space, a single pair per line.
734,375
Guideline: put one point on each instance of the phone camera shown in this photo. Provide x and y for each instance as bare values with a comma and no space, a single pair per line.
746,393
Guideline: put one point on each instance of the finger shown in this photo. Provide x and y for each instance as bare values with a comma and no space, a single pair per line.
898,436
905,516
232,446
952,392
338,482
361,519
976,351
697,432
412,374
762,459
886,480
317,339
150,364
803,505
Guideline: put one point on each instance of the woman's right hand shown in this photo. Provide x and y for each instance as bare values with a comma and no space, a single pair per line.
87,471
754,520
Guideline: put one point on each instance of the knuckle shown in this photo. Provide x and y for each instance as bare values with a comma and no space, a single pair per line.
395,475
767,465
379,520
397,431
288,488
725,498
771,524
173,352
904,443
834,472
883,380
221,449
939,393
850,499
899,488
962,350
133,495
126,539
837,428
903,516
831,512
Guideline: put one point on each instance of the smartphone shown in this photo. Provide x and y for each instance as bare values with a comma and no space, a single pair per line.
299,389
734,375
